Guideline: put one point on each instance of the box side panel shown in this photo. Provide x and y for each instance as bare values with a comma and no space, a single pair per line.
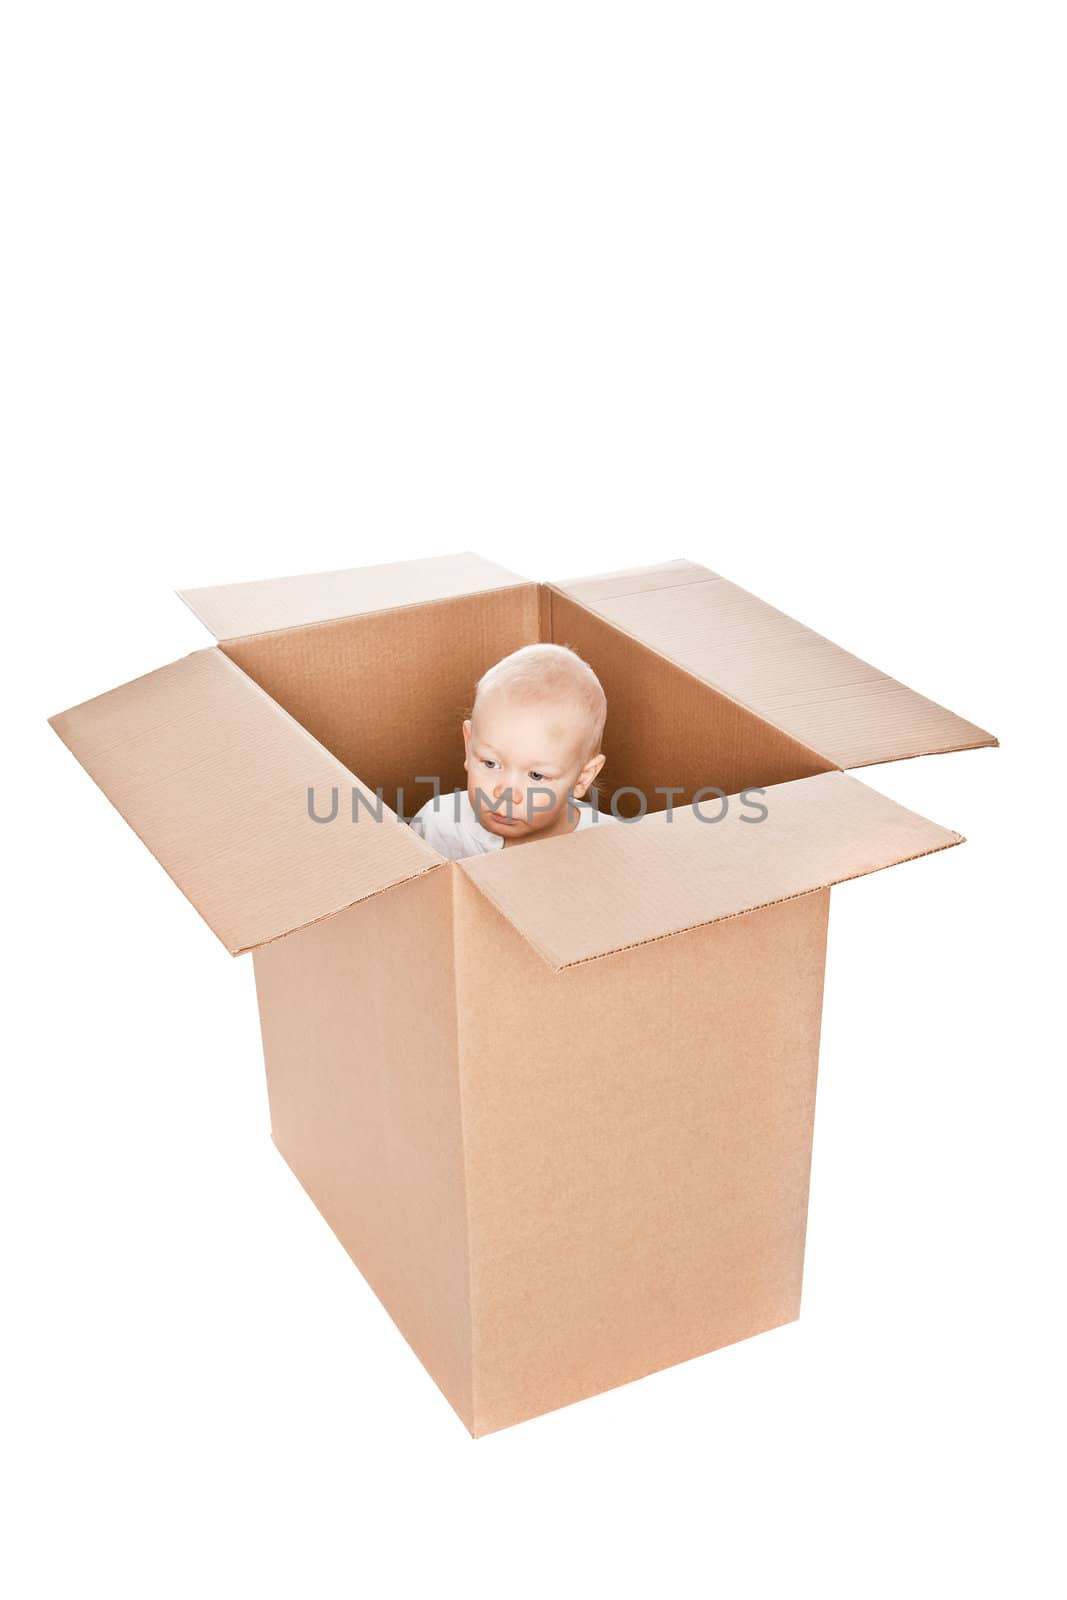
667,728
359,1036
638,1144
386,694
823,696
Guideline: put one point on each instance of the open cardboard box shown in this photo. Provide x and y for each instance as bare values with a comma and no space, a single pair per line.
556,1102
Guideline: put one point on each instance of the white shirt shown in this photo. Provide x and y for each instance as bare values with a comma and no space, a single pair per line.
449,826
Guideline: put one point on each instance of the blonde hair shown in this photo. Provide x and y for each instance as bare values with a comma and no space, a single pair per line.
550,672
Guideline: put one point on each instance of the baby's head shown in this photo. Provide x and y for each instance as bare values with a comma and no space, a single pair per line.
533,740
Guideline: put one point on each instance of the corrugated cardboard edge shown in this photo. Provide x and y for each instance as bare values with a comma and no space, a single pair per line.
991,743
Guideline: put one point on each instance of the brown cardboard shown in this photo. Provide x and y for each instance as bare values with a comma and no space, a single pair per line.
675,871
361,1041
207,769
235,610
556,1102
821,695
663,719
340,681
637,1190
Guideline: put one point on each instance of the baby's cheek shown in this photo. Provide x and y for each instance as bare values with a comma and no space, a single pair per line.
542,809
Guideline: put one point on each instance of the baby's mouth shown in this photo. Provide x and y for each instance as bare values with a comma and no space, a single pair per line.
507,819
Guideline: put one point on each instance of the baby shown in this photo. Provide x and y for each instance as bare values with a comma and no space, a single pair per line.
532,743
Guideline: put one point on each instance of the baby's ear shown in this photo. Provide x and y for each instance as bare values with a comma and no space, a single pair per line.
588,774
466,740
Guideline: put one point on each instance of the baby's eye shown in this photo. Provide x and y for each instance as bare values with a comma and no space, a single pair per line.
538,777
487,763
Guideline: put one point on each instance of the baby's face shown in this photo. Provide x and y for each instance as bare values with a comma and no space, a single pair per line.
524,759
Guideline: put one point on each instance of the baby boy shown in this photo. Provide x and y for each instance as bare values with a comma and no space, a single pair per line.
532,750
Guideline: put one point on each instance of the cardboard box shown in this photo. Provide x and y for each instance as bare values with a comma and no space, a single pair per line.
556,1102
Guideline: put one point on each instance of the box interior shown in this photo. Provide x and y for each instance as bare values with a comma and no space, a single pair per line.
386,693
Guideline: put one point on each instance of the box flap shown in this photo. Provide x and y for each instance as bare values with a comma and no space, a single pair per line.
831,701
213,776
619,884
236,610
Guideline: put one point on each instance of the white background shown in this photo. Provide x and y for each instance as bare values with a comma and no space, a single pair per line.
776,288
